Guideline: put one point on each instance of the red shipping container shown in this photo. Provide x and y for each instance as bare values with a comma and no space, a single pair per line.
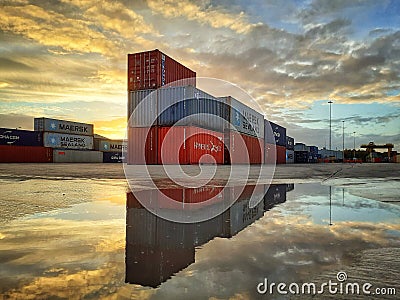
142,146
189,145
153,69
243,149
280,154
177,198
275,154
25,154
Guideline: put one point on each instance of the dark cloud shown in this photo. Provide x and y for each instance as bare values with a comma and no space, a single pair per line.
11,65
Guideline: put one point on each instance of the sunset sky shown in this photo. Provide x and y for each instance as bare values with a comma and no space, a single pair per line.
67,59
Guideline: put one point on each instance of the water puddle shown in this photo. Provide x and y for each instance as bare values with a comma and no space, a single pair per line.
106,247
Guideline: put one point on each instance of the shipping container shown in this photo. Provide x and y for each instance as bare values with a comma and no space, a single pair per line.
300,147
274,133
241,214
109,145
289,156
25,154
280,154
184,104
313,150
289,143
269,154
289,187
189,145
243,149
151,266
67,141
175,145
9,136
154,69
300,157
62,126
274,194
243,118
77,156
114,157
142,145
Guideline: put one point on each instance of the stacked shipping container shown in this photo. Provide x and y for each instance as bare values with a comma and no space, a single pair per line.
71,141
157,248
275,143
23,146
289,150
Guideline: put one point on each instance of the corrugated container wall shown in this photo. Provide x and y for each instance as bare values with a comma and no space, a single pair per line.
189,145
25,154
67,141
174,145
62,126
242,149
279,134
269,154
9,136
77,156
142,145
289,143
289,156
169,105
154,69
243,118
148,108
280,155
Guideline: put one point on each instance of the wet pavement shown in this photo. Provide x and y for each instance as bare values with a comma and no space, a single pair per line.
96,240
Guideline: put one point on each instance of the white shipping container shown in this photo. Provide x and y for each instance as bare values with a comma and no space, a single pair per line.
67,141
62,126
77,156
245,119
110,146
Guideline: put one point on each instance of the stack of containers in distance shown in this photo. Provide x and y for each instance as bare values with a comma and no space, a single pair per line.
71,141
113,150
312,154
245,142
175,125
23,146
289,150
300,153
275,143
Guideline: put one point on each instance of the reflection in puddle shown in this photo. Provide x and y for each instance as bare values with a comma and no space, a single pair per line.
83,252
157,248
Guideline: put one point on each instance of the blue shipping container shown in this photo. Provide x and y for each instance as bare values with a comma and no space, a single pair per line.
289,143
9,136
278,135
113,157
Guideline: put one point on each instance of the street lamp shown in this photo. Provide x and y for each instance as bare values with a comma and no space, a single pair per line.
343,142
354,153
330,124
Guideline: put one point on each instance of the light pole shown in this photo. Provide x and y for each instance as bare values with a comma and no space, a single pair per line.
354,153
343,142
330,124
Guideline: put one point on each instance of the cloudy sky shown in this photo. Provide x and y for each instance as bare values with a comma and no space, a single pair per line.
68,58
